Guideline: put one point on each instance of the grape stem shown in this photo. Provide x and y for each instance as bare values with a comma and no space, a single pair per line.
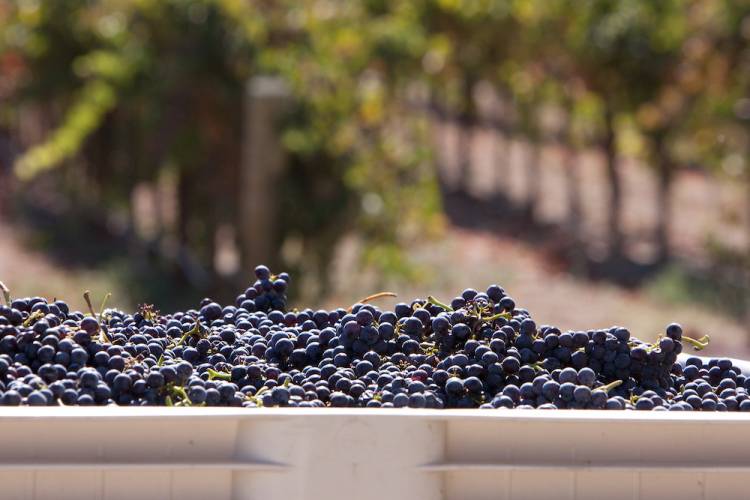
610,386
87,298
698,344
33,317
180,391
432,300
103,334
195,331
505,315
255,398
6,293
213,374
104,304
372,297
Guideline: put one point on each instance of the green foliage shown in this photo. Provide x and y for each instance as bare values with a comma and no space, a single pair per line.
165,78
109,71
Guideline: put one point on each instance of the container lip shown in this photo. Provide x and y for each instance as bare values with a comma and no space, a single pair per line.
499,415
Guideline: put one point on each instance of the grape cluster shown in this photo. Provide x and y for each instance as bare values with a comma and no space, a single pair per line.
267,293
479,351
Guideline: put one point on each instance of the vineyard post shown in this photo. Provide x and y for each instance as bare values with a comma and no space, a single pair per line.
261,165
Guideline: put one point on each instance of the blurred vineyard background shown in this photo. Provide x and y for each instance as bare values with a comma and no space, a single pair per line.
589,155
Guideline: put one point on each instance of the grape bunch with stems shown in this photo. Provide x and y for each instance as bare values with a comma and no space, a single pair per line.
479,350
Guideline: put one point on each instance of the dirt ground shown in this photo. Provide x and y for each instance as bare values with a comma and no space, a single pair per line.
703,206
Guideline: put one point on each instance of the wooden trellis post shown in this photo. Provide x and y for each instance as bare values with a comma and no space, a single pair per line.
262,163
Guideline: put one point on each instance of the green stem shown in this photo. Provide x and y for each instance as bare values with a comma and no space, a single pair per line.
255,400
104,335
33,317
256,397
699,344
182,339
432,300
505,315
104,304
194,331
213,374
180,391
610,386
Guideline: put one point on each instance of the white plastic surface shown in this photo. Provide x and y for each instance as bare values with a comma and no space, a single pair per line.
331,454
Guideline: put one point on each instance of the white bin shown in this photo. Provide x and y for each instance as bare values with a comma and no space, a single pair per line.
330,454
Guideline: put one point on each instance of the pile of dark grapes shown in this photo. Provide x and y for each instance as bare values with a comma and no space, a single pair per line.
479,351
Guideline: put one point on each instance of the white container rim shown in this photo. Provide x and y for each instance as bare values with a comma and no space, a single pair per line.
509,415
